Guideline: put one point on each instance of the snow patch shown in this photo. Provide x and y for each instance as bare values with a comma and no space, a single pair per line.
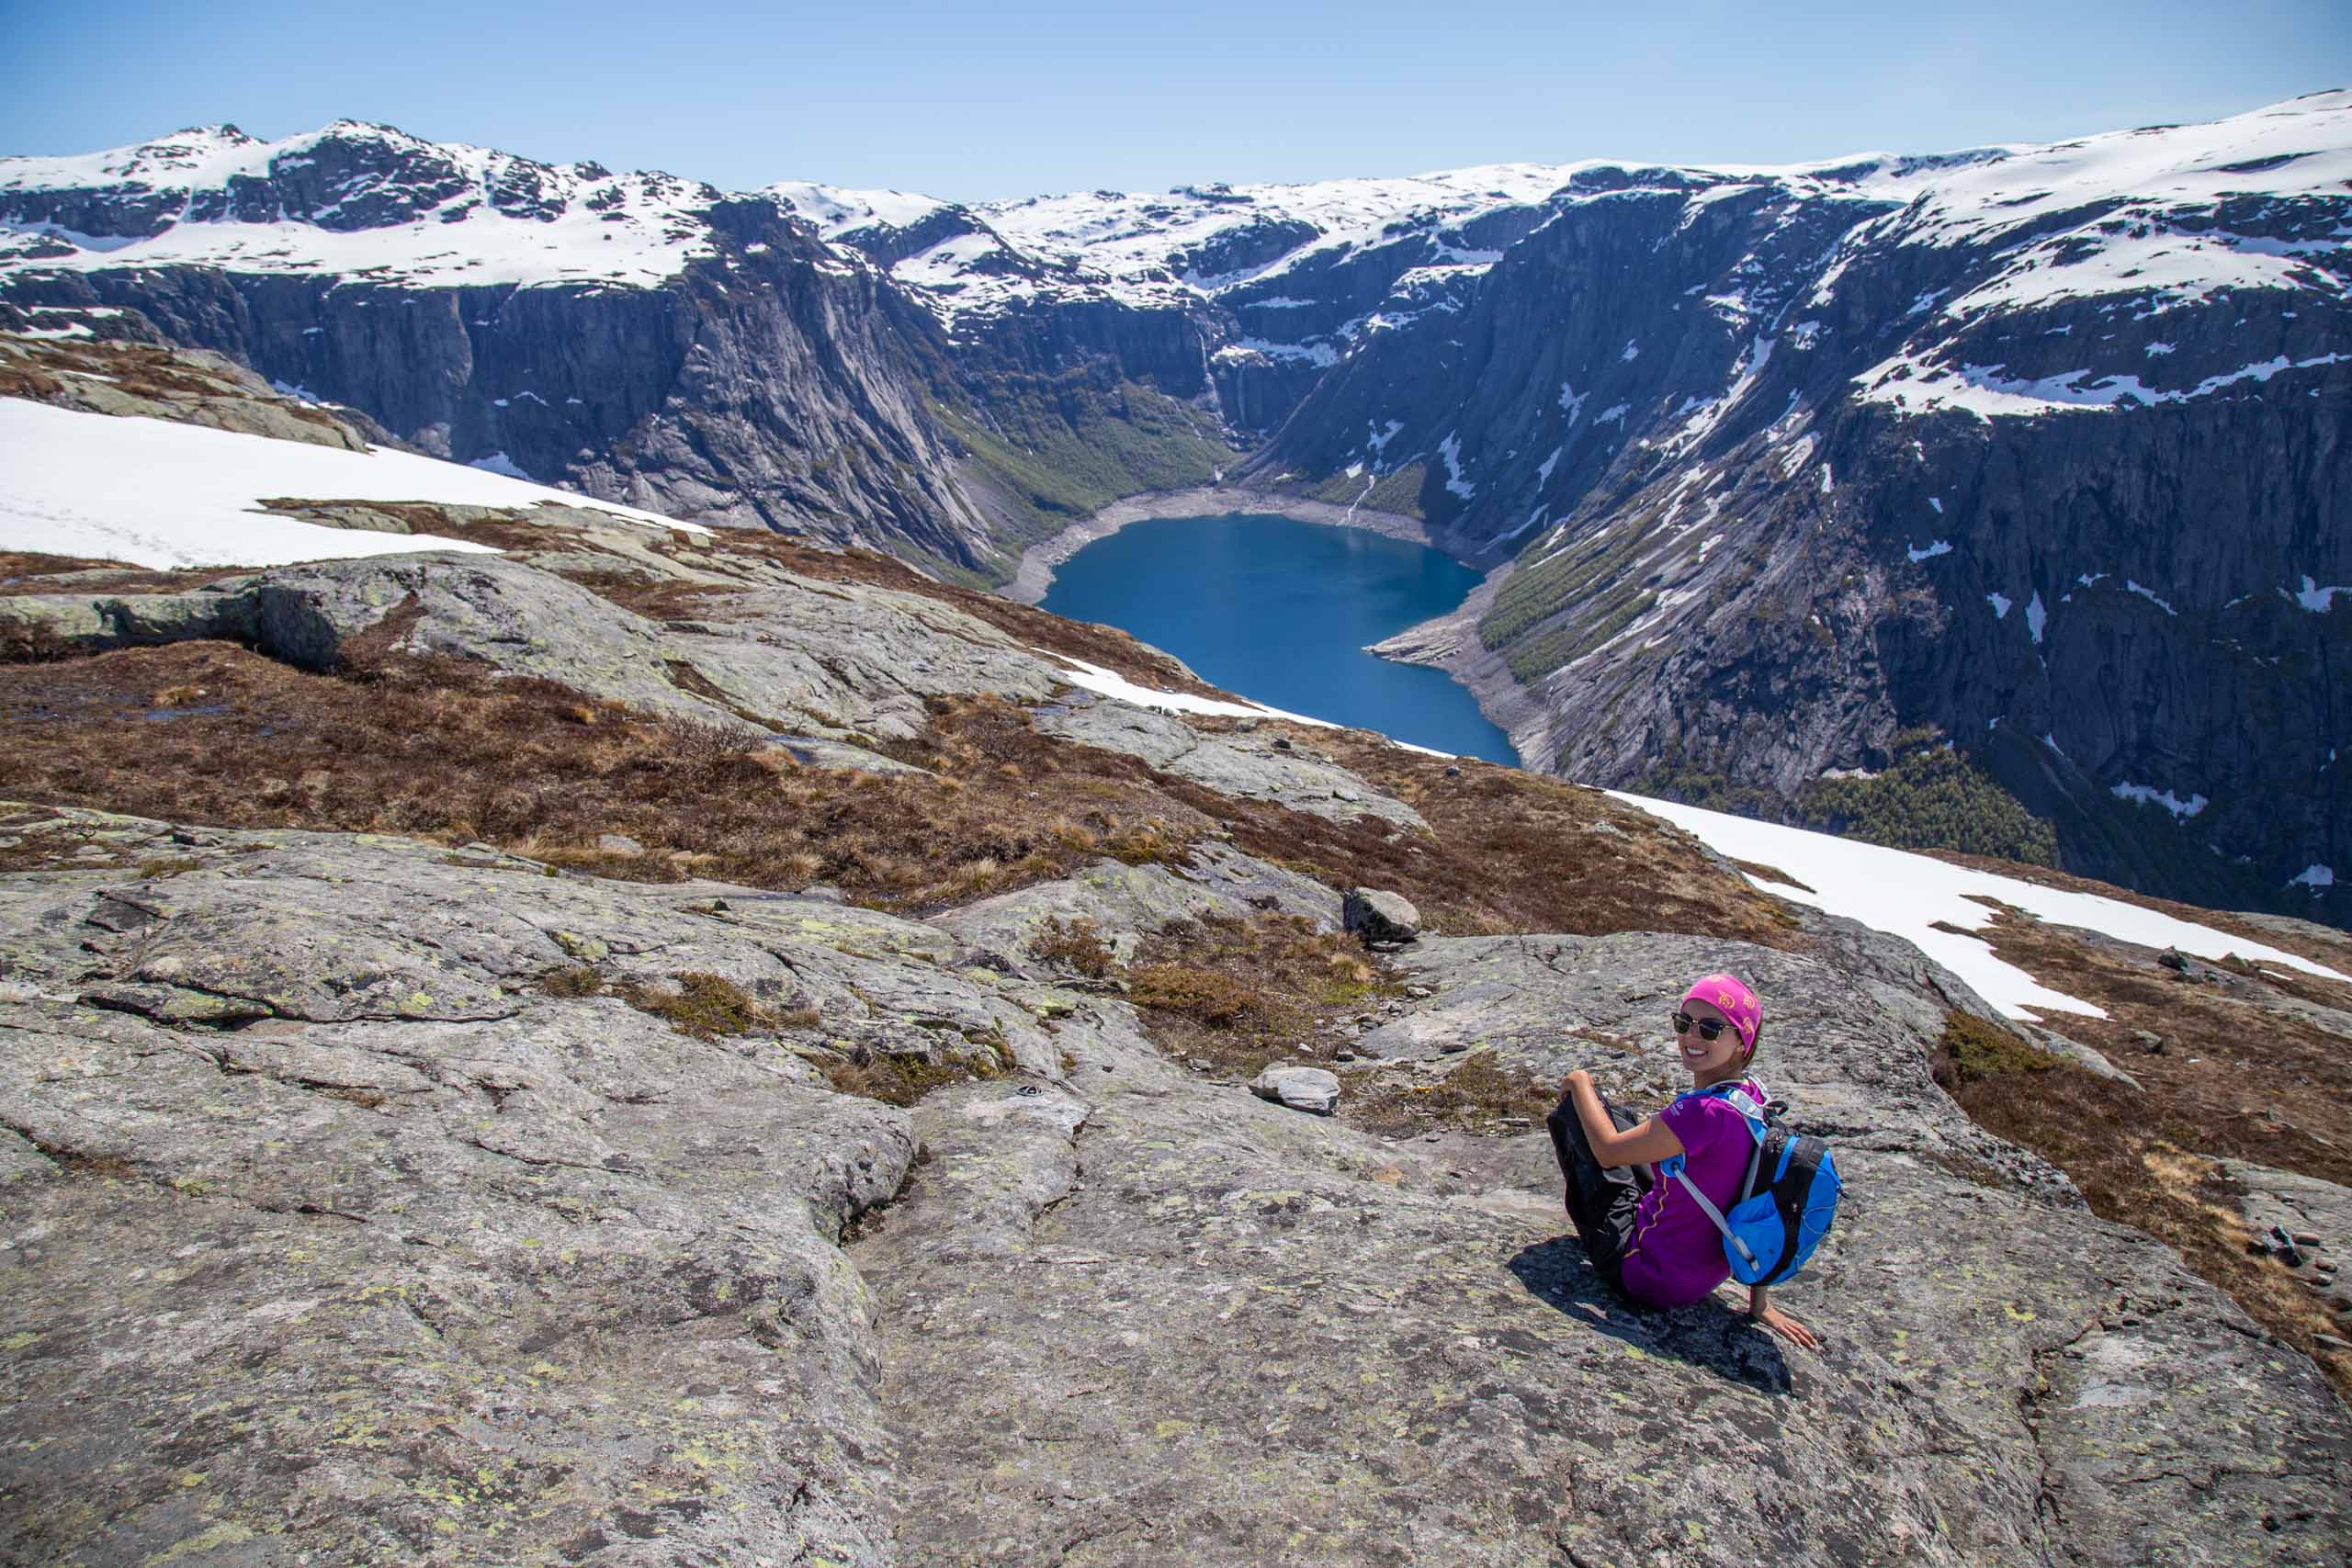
1450,449
1914,385
500,463
1907,895
2317,600
2036,617
2000,604
1105,683
2147,795
2149,595
1940,547
160,494
2313,877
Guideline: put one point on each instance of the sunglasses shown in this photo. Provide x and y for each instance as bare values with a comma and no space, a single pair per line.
1709,1028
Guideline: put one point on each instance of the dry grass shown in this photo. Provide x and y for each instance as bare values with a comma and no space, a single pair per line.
440,750
1772,873
1240,994
1512,852
2136,1158
896,1080
1077,945
2255,1080
1480,1095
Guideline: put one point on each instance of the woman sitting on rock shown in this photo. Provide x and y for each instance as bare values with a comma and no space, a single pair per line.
1645,1236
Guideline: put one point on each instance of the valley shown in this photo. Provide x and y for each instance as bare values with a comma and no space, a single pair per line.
1935,446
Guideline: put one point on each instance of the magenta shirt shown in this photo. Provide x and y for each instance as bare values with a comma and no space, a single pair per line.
1676,1256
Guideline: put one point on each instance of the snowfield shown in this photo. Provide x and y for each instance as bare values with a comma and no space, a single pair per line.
1904,894
1110,683
160,494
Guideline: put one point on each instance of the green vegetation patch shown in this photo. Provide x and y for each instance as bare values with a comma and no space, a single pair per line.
1972,1051
1062,447
1934,797
1591,581
1398,493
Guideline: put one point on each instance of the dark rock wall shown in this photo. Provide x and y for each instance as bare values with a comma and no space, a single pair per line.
1676,385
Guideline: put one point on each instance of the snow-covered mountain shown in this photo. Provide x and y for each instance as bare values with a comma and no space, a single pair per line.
365,202
2042,446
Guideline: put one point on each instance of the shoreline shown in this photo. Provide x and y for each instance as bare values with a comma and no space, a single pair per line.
1450,642
1034,575
1447,642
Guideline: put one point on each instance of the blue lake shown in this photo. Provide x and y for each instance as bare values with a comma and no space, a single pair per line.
1280,612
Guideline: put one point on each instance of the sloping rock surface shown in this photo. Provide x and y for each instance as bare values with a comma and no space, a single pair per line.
1242,764
330,1232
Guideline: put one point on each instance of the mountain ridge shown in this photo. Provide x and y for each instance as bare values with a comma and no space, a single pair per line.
1853,411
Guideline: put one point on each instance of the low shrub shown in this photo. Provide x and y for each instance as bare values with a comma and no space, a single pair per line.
703,1005
1075,945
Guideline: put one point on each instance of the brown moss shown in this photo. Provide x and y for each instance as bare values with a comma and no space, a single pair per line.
1239,993
1077,945
2138,1161
1480,1095
899,1079
703,1005
575,981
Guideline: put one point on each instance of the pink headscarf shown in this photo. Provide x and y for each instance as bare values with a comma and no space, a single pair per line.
1730,994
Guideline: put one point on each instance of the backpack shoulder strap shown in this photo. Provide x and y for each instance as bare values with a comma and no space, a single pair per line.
1716,1214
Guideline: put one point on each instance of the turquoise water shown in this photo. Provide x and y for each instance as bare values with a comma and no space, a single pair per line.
1280,612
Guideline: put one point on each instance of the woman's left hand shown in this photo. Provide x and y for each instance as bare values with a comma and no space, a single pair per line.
1787,1327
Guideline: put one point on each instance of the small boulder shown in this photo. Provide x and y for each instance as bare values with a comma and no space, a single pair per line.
1310,1089
1376,916
619,844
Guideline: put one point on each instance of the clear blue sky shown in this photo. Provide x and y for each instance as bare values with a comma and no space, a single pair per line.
1022,96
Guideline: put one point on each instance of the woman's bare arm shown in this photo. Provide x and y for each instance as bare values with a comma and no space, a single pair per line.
1646,1144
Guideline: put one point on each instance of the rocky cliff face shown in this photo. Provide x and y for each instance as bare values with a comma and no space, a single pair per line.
2033,455
627,336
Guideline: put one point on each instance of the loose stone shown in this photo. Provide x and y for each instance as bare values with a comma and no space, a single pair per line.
1311,1089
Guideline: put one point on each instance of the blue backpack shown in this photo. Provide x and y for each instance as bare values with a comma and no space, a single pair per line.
1772,1228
